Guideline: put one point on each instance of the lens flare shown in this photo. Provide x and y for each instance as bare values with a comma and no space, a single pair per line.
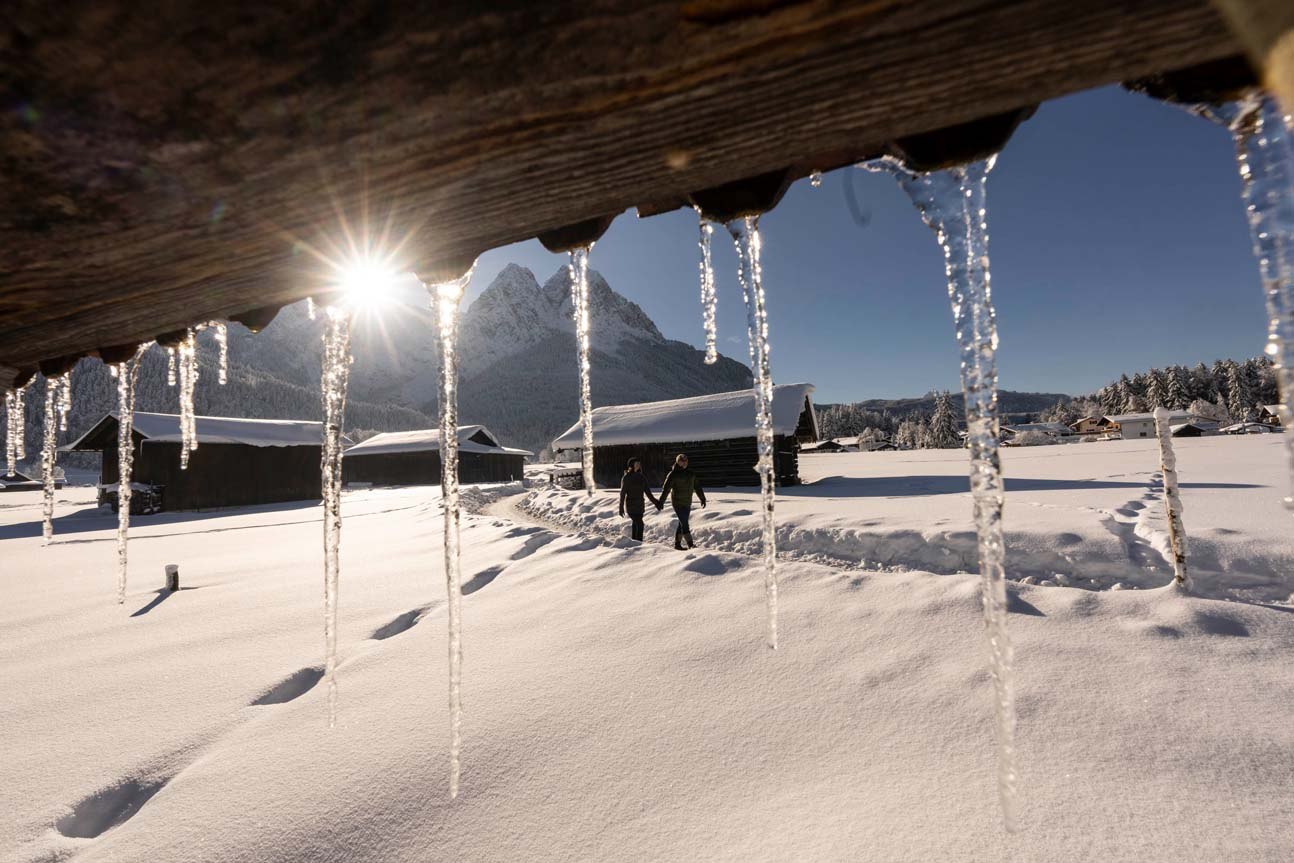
368,284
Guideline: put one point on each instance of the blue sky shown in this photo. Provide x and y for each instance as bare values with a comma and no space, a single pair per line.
1117,239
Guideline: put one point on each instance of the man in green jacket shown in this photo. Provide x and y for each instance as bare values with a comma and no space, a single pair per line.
680,484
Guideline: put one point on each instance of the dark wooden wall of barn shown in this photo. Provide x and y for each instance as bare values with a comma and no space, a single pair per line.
222,474
423,468
716,462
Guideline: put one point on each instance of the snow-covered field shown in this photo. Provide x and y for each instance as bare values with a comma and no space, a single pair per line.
620,703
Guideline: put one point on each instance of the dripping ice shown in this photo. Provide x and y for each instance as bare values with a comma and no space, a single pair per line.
58,403
580,301
709,296
953,204
15,445
335,374
1265,157
1172,497
745,234
188,376
446,298
127,374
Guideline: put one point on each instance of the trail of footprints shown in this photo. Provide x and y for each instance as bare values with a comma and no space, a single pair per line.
115,804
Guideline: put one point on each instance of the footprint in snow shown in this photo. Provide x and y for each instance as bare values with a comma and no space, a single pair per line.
709,564
109,807
532,545
480,580
399,624
292,687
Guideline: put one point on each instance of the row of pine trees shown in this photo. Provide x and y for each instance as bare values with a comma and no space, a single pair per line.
1229,390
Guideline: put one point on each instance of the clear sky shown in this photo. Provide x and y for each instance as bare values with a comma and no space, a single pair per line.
1117,239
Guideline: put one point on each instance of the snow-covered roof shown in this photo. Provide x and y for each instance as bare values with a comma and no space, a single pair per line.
713,417
1048,428
218,430
1247,427
1148,417
472,438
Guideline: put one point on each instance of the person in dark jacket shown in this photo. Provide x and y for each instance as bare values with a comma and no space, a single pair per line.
680,484
633,488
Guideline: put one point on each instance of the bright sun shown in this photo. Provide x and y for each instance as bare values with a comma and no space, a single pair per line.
368,284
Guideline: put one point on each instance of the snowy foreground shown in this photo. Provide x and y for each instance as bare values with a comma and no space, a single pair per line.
620,703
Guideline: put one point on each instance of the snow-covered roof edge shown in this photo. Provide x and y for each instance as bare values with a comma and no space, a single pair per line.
215,430
717,416
428,440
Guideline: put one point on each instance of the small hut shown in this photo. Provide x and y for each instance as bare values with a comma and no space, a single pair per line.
238,462
19,481
413,458
716,432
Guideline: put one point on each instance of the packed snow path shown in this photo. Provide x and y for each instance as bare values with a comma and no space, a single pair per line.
619,703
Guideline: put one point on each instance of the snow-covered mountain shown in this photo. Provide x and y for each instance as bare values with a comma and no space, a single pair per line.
517,365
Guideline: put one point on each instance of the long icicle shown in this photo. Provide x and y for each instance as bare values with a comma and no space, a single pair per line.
709,296
446,297
335,374
127,377
745,234
222,342
953,204
49,454
188,362
580,300
64,400
1265,156
1172,497
15,446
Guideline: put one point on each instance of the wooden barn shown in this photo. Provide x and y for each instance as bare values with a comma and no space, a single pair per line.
716,432
238,461
413,458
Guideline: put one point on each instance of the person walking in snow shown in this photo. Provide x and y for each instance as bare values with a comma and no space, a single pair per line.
680,484
633,488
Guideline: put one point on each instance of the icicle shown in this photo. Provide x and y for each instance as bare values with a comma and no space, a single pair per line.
188,363
815,179
64,400
952,203
336,372
170,367
709,296
1172,497
49,453
16,420
1265,156
580,300
222,342
127,374
745,233
446,297
310,308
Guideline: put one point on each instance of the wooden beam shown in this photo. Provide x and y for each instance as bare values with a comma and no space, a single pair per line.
199,160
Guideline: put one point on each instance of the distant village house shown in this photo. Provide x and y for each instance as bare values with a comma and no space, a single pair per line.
413,458
716,432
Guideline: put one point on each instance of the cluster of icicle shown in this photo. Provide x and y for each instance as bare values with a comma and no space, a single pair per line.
446,297
709,296
1172,497
334,376
58,404
745,234
1265,156
580,301
15,414
952,203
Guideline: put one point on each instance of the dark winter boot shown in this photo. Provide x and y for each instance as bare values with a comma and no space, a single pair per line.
688,536
678,540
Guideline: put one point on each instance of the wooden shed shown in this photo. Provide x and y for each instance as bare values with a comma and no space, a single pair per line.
715,431
238,461
413,458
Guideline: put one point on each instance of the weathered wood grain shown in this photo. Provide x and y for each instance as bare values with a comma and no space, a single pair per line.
186,161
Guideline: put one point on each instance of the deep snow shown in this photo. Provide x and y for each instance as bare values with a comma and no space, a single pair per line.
620,702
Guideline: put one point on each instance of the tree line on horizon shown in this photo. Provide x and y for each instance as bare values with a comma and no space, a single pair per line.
1229,390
